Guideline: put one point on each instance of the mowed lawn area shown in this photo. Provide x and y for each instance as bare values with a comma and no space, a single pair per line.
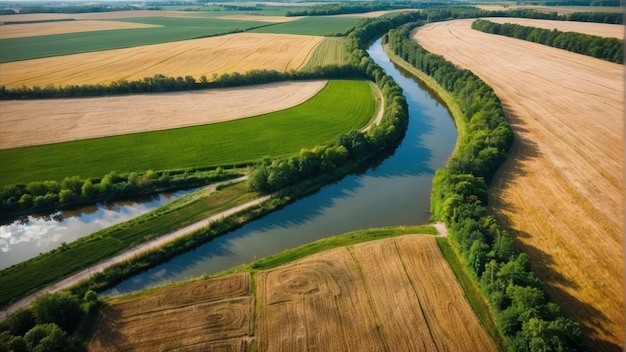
341,106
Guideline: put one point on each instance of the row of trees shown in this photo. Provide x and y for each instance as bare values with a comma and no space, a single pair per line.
160,83
610,49
524,314
72,190
46,325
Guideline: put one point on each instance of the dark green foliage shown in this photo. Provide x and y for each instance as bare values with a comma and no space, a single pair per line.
61,308
73,190
609,49
21,321
46,338
524,315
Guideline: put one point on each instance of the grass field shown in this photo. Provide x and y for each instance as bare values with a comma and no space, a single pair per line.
391,294
314,122
314,25
239,52
108,242
62,27
169,30
560,193
330,51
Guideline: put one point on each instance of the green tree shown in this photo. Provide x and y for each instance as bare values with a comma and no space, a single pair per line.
21,321
46,338
61,308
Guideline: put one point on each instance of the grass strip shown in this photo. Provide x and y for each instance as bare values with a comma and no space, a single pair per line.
90,249
331,51
314,25
472,292
314,122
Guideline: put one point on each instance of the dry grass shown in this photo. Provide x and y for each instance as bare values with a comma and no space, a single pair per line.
209,56
74,119
375,296
397,294
602,30
560,192
47,28
203,315
561,10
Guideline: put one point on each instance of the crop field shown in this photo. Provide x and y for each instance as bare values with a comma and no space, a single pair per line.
314,25
604,30
48,28
85,118
330,51
561,10
314,122
208,56
163,30
560,193
392,294
205,315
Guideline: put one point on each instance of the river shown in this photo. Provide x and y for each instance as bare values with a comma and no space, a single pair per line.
392,191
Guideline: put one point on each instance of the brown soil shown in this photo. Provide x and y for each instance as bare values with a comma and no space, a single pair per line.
72,119
560,192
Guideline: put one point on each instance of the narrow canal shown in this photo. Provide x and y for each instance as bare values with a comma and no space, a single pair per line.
394,190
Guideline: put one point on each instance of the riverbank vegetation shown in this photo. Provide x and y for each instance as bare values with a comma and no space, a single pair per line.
71,257
610,49
523,311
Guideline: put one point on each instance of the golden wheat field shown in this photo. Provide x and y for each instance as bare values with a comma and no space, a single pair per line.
396,294
561,191
239,52
83,118
48,28
603,30
40,17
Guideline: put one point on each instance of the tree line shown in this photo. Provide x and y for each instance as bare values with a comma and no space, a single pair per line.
609,49
48,324
525,316
160,83
73,190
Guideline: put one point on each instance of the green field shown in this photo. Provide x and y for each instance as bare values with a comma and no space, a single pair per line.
331,51
315,25
174,29
317,121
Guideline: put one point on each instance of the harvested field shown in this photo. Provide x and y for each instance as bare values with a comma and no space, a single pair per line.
561,10
47,28
374,296
203,315
75,119
270,19
201,57
561,191
598,29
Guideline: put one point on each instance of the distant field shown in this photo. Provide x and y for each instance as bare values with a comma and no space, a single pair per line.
561,10
49,28
316,121
208,56
167,30
314,25
560,193
331,51
598,29
397,294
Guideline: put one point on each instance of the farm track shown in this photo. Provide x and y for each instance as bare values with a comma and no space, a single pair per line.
561,190
370,296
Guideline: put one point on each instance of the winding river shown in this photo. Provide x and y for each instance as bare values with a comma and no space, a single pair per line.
394,190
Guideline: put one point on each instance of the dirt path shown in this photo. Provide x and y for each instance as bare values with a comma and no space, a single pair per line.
560,193
85,274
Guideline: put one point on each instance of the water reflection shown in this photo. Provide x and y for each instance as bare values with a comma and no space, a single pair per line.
28,236
393,190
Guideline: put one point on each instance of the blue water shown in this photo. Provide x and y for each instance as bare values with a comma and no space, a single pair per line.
394,191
